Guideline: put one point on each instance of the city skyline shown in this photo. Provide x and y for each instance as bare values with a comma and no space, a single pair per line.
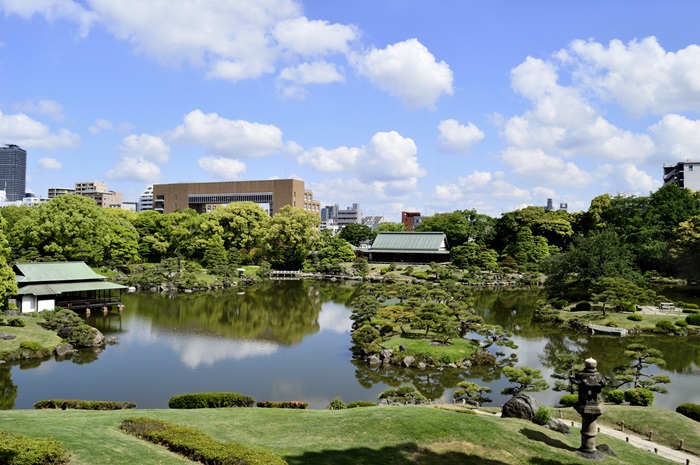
485,105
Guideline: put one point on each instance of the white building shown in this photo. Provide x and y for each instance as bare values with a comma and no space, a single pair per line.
146,200
684,173
332,215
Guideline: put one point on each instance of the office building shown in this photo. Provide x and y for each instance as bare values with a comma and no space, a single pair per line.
13,171
204,197
684,174
56,191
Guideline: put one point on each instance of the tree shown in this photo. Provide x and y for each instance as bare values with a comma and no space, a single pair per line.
565,365
355,233
361,266
388,226
335,248
459,226
243,226
494,334
290,237
642,357
471,393
433,316
617,291
364,308
527,379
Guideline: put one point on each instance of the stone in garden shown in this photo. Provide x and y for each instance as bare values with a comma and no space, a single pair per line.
64,349
408,361
520,406
373,360
559,426
386,354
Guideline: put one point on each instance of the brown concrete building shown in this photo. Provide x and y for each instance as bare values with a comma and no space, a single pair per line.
207,196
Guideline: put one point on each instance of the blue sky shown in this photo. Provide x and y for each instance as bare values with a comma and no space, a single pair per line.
393,104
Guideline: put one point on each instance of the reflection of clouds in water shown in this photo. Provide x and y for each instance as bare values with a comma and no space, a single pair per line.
196,351
335,317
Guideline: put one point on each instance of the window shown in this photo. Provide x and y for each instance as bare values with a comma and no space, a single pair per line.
690,167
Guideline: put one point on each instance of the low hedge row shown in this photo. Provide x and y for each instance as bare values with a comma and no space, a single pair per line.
210,400
693,319
361,403
83,404
689,410
22,450
196,445
285,404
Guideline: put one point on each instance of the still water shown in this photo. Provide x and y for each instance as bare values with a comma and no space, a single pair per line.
290,340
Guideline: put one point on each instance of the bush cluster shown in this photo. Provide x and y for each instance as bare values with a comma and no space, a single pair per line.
361,403
639,397
569,400
542,416
22,450
34,346
210,400
16,322
693,319
285,404
559,304
614,396
665,326
337,404
635,317
689,410
403,395
83,404
196,445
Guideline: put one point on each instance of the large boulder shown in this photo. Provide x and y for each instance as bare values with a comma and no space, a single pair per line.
520,406
64,349
408,361
559,426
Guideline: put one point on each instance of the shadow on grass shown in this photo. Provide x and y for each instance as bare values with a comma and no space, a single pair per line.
541,461
541,437
403,454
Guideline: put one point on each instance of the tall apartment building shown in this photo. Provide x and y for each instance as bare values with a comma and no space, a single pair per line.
207,196
146,200
98,192
13,171
684,173
56,191
410,220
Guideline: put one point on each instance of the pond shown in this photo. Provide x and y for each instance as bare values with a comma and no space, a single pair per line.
290,340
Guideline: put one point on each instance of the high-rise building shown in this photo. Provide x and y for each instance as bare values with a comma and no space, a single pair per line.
13,171
685,174
146,200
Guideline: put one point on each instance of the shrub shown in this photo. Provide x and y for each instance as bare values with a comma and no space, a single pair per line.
22,450
83,404
693,319
16,322
482,358
196,445
542,416
689,410
361,403
639,396
83,336
337,404
59,317
692,306
627,307
559,304
210,400
30,345
568,400
690,310
583,307
403,395
681,323
635,317
422,275
611,324
665,326
286,404
614,396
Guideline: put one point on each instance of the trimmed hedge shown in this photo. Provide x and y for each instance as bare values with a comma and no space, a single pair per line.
403,395
639,397
689,410
569,400
614,396
23,450
693,319
210,400
285,404
635,317
83,405
361,403
196,445
16,322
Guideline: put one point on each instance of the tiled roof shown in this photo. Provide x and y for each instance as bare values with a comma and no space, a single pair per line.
410,242
60,288
45,272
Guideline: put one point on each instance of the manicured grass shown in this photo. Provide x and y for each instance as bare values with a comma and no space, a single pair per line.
648,322
456,350
31,332
668,427
374,435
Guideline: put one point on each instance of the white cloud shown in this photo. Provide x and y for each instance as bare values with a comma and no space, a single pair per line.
677,137
51,10
291,80
636,180
476,179
149,147
305,37
457,138
101,125
329,161
134,168
641,76
28,133
408,71
389,156
49,108
536,165
447,193
50,164
232,138
222,168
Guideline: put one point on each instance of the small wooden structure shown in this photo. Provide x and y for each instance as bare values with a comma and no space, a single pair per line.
73,285
409,247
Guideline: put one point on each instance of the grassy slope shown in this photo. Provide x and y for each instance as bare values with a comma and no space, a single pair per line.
377,435
31,332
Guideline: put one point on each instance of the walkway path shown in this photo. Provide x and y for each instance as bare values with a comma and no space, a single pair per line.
666,452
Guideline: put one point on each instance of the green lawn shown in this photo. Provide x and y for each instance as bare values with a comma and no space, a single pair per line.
647,323
31,332
456,350
375,435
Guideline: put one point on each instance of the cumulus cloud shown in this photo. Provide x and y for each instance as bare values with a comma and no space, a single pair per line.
314,37
49,108
292,80
230,138
677,136
134,168
26,132
106,125
640,75
149,147
457,138
329,161
49,164
222,168
51,10
636,180
408,71
447,193
536,165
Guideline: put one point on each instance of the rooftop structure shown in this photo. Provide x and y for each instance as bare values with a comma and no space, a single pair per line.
207,196
410,247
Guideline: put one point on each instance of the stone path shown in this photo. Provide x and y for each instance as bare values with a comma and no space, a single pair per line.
666,452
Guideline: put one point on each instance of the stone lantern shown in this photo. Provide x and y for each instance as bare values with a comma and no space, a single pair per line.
590,406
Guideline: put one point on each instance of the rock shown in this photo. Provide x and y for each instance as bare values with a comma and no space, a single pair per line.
559,426
7,337
99,339
402,349
604,448
421,366
386,354
520,406
373,360
112,340
451,365
64,349
408,361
